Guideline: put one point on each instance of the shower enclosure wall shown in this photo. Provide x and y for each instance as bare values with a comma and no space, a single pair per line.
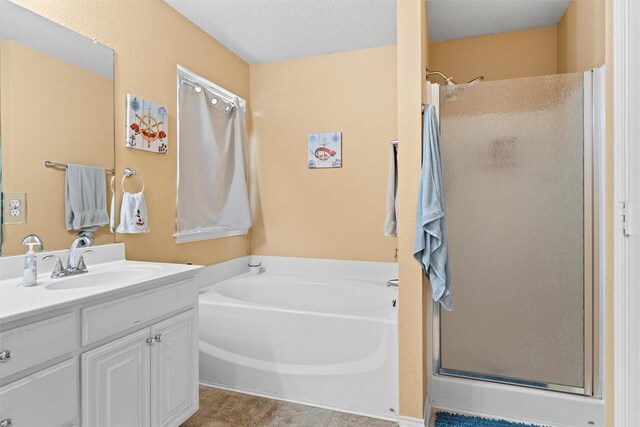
521,184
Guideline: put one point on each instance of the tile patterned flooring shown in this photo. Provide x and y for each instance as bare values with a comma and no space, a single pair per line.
222,408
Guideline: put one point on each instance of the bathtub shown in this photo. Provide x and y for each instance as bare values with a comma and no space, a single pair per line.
317,332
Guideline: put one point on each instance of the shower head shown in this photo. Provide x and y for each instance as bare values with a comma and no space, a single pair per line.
448,80
476,80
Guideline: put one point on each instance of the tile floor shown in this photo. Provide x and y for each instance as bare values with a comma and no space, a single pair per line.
222,408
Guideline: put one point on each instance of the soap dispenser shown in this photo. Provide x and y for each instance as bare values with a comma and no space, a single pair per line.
30,275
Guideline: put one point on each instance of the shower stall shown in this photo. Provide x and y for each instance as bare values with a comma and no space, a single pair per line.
521,164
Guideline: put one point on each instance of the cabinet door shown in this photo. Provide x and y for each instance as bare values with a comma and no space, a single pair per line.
115,383
174,370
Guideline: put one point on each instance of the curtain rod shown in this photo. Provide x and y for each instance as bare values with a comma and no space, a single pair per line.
199,87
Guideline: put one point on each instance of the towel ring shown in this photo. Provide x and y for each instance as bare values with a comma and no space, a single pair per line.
127,176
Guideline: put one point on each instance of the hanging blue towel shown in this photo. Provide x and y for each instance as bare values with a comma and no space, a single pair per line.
430,247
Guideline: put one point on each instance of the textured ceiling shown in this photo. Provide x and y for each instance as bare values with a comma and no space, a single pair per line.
454,19
272,30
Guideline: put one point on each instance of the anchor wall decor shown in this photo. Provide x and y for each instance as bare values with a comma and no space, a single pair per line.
147,125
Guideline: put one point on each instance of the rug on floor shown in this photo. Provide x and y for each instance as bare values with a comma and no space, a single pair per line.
447,419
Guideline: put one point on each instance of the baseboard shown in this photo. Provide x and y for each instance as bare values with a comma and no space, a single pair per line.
427,412
410,422
513,403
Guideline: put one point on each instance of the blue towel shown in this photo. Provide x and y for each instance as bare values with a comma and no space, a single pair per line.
430,247
85,198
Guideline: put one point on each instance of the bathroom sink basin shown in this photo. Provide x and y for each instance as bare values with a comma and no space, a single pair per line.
101,278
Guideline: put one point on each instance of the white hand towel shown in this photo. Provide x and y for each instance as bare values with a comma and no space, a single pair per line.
133,214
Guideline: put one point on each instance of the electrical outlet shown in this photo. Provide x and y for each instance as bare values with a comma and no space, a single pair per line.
15,208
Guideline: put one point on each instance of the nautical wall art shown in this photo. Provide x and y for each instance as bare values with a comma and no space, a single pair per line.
147,125
325,150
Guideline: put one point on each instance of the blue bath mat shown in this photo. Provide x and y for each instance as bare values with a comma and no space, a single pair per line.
447,419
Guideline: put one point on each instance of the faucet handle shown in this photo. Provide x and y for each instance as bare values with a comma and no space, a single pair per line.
81,264
58,269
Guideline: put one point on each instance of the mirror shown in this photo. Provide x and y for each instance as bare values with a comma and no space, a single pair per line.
56,104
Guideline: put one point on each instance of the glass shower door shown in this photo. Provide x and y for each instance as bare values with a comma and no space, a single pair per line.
514,160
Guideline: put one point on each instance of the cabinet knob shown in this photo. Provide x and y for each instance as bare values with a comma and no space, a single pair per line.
7,422
5,356
158,337
149,342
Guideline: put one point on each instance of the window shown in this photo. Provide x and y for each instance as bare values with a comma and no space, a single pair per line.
212,197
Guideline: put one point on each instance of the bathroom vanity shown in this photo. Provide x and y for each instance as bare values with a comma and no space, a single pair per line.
115,346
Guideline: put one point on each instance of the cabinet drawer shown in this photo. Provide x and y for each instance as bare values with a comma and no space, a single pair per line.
46,398
38,342
102,320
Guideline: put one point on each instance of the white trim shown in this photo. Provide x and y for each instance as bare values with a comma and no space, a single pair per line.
410,422
513,403
626,107
195,236
427,411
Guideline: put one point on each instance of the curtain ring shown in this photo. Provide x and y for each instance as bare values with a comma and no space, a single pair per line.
125,177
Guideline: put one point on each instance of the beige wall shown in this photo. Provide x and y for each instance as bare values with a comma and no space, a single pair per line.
500,56
149,39
413,293
581,36
51,110
323,213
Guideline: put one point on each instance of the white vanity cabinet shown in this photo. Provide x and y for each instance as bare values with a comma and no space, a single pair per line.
174,369
146,378
125,358
115,383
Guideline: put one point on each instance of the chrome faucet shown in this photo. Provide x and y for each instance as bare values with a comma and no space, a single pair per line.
81,241
392,282
74,265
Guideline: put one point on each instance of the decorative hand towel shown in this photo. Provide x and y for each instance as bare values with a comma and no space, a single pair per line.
133,213
85,198
390,224
430,247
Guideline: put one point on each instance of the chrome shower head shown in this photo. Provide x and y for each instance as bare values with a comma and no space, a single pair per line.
476,80
448,80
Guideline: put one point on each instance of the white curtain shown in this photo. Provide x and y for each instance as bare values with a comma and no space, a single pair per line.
212,188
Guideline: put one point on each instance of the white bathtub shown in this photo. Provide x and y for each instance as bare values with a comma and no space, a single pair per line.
327,337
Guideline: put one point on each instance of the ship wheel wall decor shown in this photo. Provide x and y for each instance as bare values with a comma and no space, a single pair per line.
147,125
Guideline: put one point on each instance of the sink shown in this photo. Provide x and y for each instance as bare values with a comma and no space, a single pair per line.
101,278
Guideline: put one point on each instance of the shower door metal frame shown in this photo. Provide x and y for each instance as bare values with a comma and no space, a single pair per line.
593,81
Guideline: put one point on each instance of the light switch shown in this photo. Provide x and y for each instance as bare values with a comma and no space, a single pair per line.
15,208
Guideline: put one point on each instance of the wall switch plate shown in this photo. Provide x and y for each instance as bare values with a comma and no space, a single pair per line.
14,208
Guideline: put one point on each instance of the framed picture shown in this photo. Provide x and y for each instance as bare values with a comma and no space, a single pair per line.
147,125
325,150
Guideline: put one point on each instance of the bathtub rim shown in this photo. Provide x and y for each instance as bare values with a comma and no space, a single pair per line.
380,314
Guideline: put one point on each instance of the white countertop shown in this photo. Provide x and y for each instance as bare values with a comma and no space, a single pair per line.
103,279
